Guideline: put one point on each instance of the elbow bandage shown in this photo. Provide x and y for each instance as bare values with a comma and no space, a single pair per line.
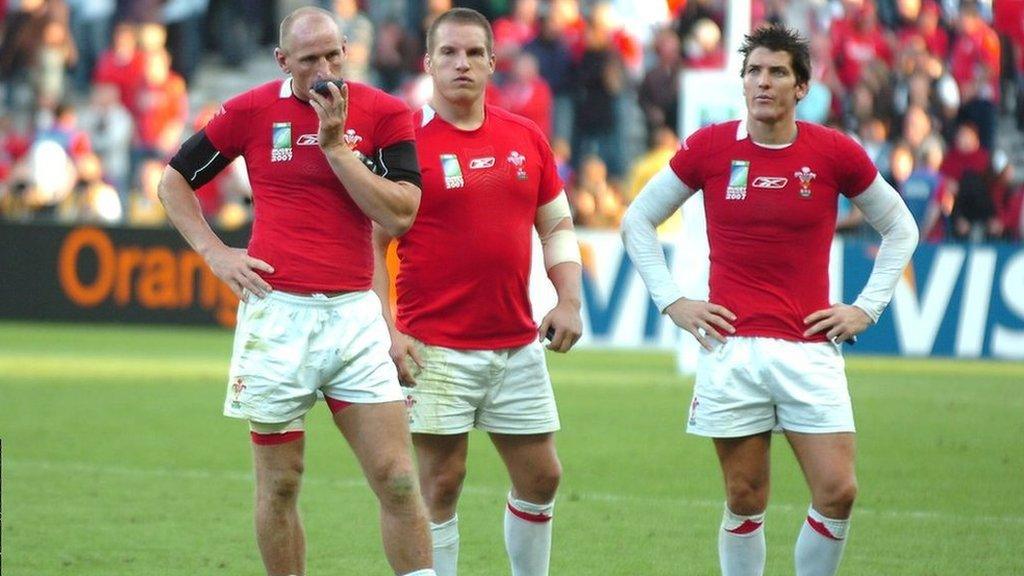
558,243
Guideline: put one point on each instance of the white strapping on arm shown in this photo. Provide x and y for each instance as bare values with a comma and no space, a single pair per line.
658,200
557,237
885,210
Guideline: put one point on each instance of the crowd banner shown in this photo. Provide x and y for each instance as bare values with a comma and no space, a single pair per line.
954,300
85,273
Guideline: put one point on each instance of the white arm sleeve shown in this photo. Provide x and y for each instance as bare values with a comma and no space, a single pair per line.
658,199
885,210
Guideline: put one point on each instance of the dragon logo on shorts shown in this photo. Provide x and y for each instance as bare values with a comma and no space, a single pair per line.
410,403
693,411
237,388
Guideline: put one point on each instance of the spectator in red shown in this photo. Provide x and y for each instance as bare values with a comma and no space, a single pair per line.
121,64
857,41
975,53
513,32
920,20
966,154
967,169
526,93
159,110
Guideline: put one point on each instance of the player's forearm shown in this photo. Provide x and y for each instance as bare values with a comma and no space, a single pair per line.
381,276
658,199
183,210
885,211
567,278
392,205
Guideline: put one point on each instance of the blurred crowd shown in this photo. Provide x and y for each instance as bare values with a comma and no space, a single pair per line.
97,94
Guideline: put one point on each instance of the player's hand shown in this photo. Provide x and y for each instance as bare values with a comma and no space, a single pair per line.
332,112
237,269
706,321
840,322
402,346
566,326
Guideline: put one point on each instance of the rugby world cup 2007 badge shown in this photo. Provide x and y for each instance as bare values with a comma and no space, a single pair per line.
281,142
452,171
738,174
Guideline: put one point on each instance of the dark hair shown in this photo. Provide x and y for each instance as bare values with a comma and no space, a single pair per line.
780,39
461,16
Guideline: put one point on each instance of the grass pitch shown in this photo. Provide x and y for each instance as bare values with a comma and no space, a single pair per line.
116,461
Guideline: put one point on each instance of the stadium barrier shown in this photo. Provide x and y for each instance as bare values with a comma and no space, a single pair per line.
955,300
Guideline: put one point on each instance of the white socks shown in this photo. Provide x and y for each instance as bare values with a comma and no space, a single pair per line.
446,546
424,572
741,547
528,536
820,545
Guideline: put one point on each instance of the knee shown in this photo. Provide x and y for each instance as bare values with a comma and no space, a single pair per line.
837,499
442,487
281,488
543,484
747,496
396,486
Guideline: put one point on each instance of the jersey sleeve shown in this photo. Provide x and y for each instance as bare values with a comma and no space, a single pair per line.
225,129
688,163
856,171
394,121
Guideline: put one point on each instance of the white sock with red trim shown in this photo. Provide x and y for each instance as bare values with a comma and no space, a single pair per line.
820,545
528,536
446,546
741,547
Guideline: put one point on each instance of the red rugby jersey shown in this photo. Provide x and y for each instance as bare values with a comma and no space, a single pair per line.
465,264
305,224
771,215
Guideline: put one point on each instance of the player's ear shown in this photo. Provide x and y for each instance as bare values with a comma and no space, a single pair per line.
281,58
802,90
426,63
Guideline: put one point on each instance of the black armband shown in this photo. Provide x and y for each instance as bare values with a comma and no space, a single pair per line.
398,163
198,161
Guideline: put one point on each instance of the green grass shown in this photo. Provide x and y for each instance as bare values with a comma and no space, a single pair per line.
116,460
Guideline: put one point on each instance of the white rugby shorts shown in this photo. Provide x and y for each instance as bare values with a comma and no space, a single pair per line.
506,391
750,385
288,347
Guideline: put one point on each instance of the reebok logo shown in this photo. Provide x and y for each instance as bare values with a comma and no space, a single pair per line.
771,182
478,163
307,140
